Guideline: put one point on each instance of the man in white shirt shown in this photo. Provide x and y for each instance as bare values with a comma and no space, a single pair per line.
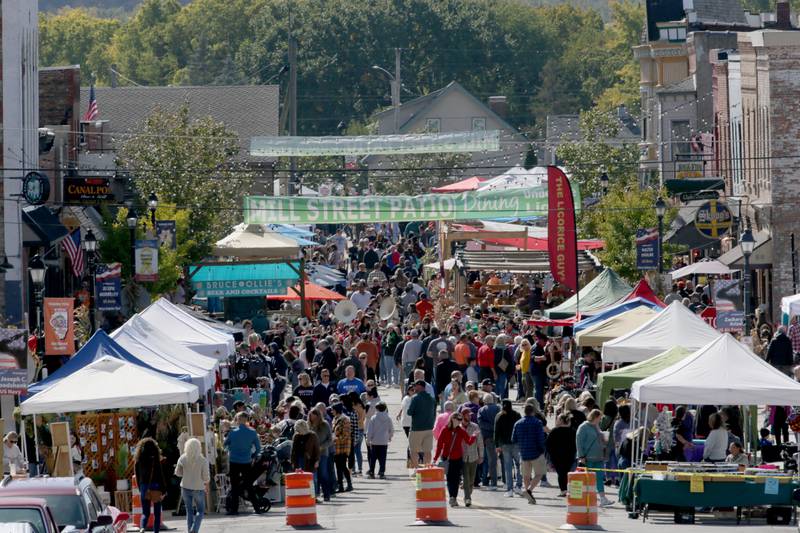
361,297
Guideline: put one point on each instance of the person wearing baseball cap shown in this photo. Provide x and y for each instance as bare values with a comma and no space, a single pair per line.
422,410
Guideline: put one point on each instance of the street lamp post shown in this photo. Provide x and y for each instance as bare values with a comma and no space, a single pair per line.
131,221
37,269
661,210
394,83
748,243
90,247
152,205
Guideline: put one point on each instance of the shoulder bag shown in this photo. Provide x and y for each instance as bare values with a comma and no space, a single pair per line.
153,495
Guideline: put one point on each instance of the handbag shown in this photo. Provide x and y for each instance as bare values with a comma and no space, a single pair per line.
153,495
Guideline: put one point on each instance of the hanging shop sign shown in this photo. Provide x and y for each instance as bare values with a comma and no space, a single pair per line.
13,361
647,249
35,188
59,327
87,191
146,255
509,203
713,219
242,287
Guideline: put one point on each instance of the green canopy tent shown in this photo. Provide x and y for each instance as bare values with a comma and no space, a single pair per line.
623,378
603,291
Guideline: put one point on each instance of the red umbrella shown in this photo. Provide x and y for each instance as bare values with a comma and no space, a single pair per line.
313,292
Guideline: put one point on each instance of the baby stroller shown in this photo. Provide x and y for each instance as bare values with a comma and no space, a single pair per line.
264,474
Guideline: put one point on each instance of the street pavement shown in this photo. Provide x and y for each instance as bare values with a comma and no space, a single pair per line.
385,506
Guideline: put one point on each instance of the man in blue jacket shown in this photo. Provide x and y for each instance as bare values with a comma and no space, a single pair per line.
242,443
486,417
528,435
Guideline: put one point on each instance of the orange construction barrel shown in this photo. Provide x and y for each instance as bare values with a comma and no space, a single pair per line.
301,502
581,500
431,494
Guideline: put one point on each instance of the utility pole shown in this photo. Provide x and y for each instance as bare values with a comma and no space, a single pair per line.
292,110
396,84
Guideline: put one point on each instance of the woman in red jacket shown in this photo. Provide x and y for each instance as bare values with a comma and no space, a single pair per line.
450,447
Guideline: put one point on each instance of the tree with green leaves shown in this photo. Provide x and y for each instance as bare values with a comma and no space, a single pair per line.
597,151
192,165
77,37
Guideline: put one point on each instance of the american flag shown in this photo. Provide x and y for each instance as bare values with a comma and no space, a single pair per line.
108,271
72,245
91,112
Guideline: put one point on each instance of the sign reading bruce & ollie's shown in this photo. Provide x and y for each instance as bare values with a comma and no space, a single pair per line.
87,191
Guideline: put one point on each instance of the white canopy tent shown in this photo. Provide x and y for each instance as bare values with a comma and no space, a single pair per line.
723,372
711,266
195,334
154,347
674,325
790,306
516,178
110,383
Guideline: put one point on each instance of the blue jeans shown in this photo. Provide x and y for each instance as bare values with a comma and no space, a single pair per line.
355,456
322,477
146,508
195,501
389,371
510,463
500,385
488,469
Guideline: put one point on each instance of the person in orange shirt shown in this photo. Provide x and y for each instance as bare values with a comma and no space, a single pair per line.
368,347
462,352
424,307
494,280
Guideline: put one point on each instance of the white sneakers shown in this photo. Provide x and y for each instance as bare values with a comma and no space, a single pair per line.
509,494
605,502
453,502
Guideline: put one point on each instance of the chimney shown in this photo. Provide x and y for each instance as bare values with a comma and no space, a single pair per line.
499,104
783,15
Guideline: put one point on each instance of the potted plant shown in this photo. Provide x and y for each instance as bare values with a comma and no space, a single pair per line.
122,467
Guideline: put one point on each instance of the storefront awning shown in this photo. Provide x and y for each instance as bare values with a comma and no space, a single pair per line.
760,258
235,280
516,262
42,226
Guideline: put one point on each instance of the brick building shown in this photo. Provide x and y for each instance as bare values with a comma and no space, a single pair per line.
757,100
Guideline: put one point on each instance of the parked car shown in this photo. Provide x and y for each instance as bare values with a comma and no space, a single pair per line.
26,515
72,502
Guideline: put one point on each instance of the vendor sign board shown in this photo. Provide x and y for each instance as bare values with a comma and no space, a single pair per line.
510,203
242,287
59,327
647,249
13,361
728,301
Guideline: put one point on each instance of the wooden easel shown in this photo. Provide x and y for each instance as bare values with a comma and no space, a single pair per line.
62,460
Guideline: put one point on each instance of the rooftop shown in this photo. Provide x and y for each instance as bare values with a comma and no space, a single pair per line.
248,110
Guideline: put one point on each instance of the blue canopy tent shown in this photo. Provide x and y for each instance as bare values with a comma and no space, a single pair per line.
615,310
99,346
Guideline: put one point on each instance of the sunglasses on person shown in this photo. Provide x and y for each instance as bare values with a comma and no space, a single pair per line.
458,417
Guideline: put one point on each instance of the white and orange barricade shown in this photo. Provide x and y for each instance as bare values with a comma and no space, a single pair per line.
301,502
581,500
431,494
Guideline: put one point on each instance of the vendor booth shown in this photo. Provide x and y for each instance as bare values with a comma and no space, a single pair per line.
603,291
674,324
790,306
97,347
614,310
157,349
109,383
625,377
645,291
723,372
616,326
192,333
